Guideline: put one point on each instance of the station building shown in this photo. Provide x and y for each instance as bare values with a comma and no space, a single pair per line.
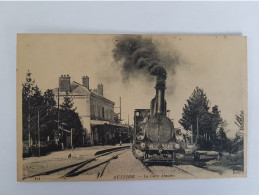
95,111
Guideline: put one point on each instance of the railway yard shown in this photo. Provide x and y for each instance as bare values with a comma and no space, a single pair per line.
109,163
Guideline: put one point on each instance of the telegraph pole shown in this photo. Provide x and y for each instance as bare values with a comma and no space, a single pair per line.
58,109
39,131
197,129
192,135
120,108
29,123
128,125
71,138
29,127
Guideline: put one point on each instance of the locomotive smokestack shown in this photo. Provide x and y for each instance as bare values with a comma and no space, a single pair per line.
158,104
160,95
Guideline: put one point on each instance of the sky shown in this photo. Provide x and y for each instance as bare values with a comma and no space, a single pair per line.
217,64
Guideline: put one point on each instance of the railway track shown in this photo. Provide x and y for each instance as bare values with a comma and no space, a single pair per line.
157,169
184,171
77,167
148,169
80,170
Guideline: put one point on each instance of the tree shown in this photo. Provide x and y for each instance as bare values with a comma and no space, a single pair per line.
222,135
68,114
218,133
211,126
49,115
238,142
240,120
40,113
67,104
35,103
197,111
32,101
28,87
49,101
43,107
70,118
27,92
217,123
215,118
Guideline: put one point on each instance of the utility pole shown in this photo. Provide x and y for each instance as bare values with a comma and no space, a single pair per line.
58,109
192,135
29,123
197,129
71,138
39,131
120,108
128,125
29,127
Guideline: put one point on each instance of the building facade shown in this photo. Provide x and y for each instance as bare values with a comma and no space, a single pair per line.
93,108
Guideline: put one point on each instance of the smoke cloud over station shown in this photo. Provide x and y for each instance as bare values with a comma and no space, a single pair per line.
140,56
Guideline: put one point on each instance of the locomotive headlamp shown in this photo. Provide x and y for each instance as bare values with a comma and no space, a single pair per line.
179,156
142,145
140,137
177,146
139,153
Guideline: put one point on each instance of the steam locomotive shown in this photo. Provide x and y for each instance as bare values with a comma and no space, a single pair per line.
154,137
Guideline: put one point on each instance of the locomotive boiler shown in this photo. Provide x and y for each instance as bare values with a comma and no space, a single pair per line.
154,137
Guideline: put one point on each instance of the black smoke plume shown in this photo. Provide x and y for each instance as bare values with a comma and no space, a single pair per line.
141,56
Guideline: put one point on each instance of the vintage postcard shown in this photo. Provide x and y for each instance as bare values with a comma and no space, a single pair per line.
131,107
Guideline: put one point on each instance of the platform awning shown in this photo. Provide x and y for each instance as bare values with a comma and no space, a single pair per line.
106,123
98,122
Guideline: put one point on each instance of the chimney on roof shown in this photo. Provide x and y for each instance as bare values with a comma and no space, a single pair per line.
85,81
100,89
64,83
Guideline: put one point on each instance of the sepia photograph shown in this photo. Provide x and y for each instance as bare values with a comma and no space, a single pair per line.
111,107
